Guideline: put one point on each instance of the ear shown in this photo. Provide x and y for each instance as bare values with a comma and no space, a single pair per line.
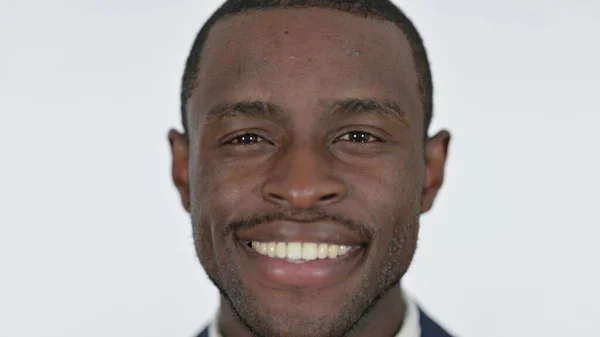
436,152
179,151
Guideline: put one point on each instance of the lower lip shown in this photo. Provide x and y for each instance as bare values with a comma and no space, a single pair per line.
314,273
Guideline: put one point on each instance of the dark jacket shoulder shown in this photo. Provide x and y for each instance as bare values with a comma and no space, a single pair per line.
429,328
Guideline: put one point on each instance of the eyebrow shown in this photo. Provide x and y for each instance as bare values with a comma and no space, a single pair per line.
357,106
253,109
336,108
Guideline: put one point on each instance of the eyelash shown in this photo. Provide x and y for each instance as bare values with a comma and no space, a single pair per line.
237,138
368,134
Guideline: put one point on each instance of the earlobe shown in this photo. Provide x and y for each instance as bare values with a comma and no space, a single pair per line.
436,153
179,152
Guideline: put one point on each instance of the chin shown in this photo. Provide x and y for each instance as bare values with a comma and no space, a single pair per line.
291,320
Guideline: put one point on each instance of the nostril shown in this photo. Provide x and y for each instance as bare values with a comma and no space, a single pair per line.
328,197
275,196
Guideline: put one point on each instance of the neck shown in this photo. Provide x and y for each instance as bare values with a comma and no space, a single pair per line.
384,319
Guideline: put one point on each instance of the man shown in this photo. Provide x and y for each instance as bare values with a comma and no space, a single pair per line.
305,163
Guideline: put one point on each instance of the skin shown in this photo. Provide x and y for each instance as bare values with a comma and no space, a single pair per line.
302,160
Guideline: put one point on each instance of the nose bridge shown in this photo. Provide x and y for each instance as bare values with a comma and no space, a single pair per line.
303,178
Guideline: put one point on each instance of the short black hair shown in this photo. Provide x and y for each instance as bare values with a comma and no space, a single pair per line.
377,9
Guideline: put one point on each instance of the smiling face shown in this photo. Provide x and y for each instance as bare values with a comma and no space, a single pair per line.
308,166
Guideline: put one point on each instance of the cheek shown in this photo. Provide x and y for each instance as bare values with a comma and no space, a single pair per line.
391,192
394,203
408,183
397,181
221,191
215,192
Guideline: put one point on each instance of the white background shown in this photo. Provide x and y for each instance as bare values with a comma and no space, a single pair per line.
93,241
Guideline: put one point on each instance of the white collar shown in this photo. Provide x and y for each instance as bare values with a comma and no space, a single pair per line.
410,327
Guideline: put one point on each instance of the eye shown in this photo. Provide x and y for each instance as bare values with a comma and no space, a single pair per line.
246,139
358,137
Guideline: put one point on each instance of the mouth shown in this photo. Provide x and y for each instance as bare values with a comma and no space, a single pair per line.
300,264
283,254
301,252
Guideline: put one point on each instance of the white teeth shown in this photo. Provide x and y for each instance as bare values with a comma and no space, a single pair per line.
281,250
343,250
299,252
333,251
309,251
262,248
323,251
294,250
272,249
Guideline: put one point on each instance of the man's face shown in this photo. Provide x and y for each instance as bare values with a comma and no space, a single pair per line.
308,167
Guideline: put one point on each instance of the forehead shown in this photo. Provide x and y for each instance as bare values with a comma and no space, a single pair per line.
296,58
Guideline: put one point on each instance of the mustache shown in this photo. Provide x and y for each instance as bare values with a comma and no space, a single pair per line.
256,219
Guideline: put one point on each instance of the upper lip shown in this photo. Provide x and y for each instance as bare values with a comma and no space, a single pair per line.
297,231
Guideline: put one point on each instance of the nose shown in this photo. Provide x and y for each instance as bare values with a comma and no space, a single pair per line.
303,179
